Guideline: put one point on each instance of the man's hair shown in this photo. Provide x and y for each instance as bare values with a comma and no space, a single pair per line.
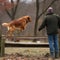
50,10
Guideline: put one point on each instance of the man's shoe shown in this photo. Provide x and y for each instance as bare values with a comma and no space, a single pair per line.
56,55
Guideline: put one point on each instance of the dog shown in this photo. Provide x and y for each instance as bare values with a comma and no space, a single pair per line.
18,24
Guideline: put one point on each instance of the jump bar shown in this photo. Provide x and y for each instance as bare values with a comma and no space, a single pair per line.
26,45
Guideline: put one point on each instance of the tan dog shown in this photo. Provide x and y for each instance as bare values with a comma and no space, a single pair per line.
18,24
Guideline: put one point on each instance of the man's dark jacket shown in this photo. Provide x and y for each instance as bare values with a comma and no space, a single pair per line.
51,22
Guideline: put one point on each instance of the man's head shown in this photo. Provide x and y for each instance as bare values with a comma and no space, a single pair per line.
50,10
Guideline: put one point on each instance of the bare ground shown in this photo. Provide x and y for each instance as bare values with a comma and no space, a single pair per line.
26,54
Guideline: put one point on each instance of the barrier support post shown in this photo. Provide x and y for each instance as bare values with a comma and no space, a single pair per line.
2,46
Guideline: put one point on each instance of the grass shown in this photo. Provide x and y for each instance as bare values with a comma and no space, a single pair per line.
27,51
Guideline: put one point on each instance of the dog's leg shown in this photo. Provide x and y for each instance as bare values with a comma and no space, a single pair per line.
10,35
10,31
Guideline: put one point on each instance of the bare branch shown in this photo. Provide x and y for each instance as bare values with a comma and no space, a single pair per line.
46,8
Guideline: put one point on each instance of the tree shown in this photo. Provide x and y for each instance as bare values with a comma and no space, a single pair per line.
9,7
36,21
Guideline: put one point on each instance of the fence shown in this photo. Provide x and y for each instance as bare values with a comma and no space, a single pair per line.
26,44
4,43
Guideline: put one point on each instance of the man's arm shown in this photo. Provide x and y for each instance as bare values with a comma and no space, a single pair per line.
58,17
42,25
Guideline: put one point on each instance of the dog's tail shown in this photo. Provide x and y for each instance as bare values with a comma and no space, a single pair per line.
5,24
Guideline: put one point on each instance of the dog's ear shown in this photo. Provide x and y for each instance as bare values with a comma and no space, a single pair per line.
29,18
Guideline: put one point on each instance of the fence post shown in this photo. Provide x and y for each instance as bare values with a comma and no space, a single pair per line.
2,45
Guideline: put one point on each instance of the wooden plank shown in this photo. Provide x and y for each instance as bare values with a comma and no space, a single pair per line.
27,37
17,44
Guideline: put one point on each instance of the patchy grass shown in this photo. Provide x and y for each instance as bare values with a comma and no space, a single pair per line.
27,51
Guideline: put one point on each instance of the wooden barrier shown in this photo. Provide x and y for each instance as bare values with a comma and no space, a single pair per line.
26,44
16,44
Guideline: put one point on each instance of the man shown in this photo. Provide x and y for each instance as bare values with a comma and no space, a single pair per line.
51,22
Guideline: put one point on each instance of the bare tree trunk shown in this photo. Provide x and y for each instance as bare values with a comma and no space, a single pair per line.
36,21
